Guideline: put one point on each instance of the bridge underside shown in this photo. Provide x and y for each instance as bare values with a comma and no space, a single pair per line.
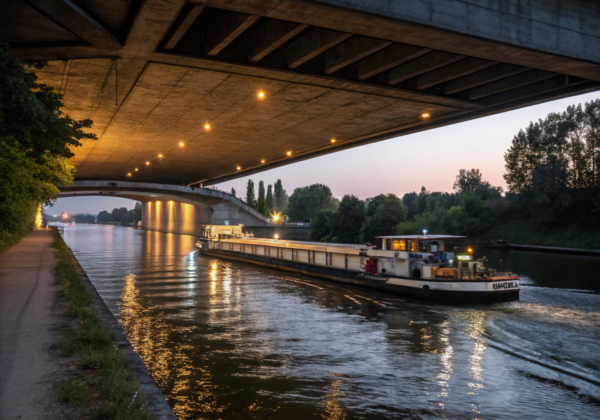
157,73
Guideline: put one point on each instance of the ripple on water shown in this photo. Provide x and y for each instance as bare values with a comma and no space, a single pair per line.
233,340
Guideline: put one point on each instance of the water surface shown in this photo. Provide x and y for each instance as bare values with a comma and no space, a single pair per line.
230,340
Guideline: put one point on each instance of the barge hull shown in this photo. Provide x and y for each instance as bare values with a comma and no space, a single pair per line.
350,277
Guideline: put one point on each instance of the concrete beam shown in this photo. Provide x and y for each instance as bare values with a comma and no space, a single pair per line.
184,25
555,83
74,19
388,58
429,62
270,36
312,44
222,32
509,83
452,71
497,72
354,49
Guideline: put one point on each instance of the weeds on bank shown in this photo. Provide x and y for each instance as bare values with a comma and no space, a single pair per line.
95,347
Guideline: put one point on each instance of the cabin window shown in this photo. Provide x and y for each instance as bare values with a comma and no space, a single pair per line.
398,245
388,244
414,246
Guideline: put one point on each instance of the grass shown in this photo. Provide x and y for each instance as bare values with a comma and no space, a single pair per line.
102,371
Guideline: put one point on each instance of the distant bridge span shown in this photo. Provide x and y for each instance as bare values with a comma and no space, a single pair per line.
172,208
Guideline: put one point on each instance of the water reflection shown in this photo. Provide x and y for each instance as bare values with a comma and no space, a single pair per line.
231,340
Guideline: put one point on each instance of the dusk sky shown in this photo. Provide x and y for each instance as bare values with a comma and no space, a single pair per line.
400,165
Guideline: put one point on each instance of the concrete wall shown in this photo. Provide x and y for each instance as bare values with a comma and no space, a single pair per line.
177,217
566,27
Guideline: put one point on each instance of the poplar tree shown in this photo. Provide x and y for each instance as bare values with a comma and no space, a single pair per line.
280,197
269,199
250,194
261,204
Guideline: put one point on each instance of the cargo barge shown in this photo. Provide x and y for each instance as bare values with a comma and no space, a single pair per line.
430,267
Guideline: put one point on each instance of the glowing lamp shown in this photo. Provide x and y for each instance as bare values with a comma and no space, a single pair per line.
262,161
181,143
276,237
207,126
275,217
136,169
425,232
289,153
470,250
261,95
333,140
239,168
147,163
128,173
425,115
160,155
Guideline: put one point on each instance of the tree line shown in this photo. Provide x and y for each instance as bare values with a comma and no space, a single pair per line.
553,195
273,201
121,216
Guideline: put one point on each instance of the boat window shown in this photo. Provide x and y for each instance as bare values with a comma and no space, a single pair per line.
388,244
398,245
414,246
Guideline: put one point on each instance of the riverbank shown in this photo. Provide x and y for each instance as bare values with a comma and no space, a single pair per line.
68,349
520,232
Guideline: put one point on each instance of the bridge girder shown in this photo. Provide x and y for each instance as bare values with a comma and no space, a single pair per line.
153,73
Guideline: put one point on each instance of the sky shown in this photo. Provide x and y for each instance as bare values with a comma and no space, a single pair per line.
400,165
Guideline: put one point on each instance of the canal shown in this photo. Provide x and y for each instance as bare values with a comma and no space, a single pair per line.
230,340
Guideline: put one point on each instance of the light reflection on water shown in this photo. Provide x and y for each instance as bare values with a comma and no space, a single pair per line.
231,340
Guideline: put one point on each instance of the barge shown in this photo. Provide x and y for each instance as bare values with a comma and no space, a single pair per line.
430,267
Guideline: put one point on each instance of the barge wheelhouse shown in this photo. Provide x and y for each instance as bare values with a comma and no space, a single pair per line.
433,267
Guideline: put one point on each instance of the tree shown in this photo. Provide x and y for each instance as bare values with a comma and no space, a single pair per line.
280,198
567,141
350,217
467,181
35,146
233,192
269,199
250,194
104,217
384,213
306,202
473,218
471,181
323,226
118,215
261,204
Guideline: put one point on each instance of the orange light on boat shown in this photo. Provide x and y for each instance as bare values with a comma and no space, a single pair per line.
289,153
425,115
262,161
128,173
333,140
239,168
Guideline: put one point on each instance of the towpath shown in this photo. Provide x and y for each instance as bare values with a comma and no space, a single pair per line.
29,326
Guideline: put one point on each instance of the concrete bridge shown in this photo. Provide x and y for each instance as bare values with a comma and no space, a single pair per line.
209,90
172,208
